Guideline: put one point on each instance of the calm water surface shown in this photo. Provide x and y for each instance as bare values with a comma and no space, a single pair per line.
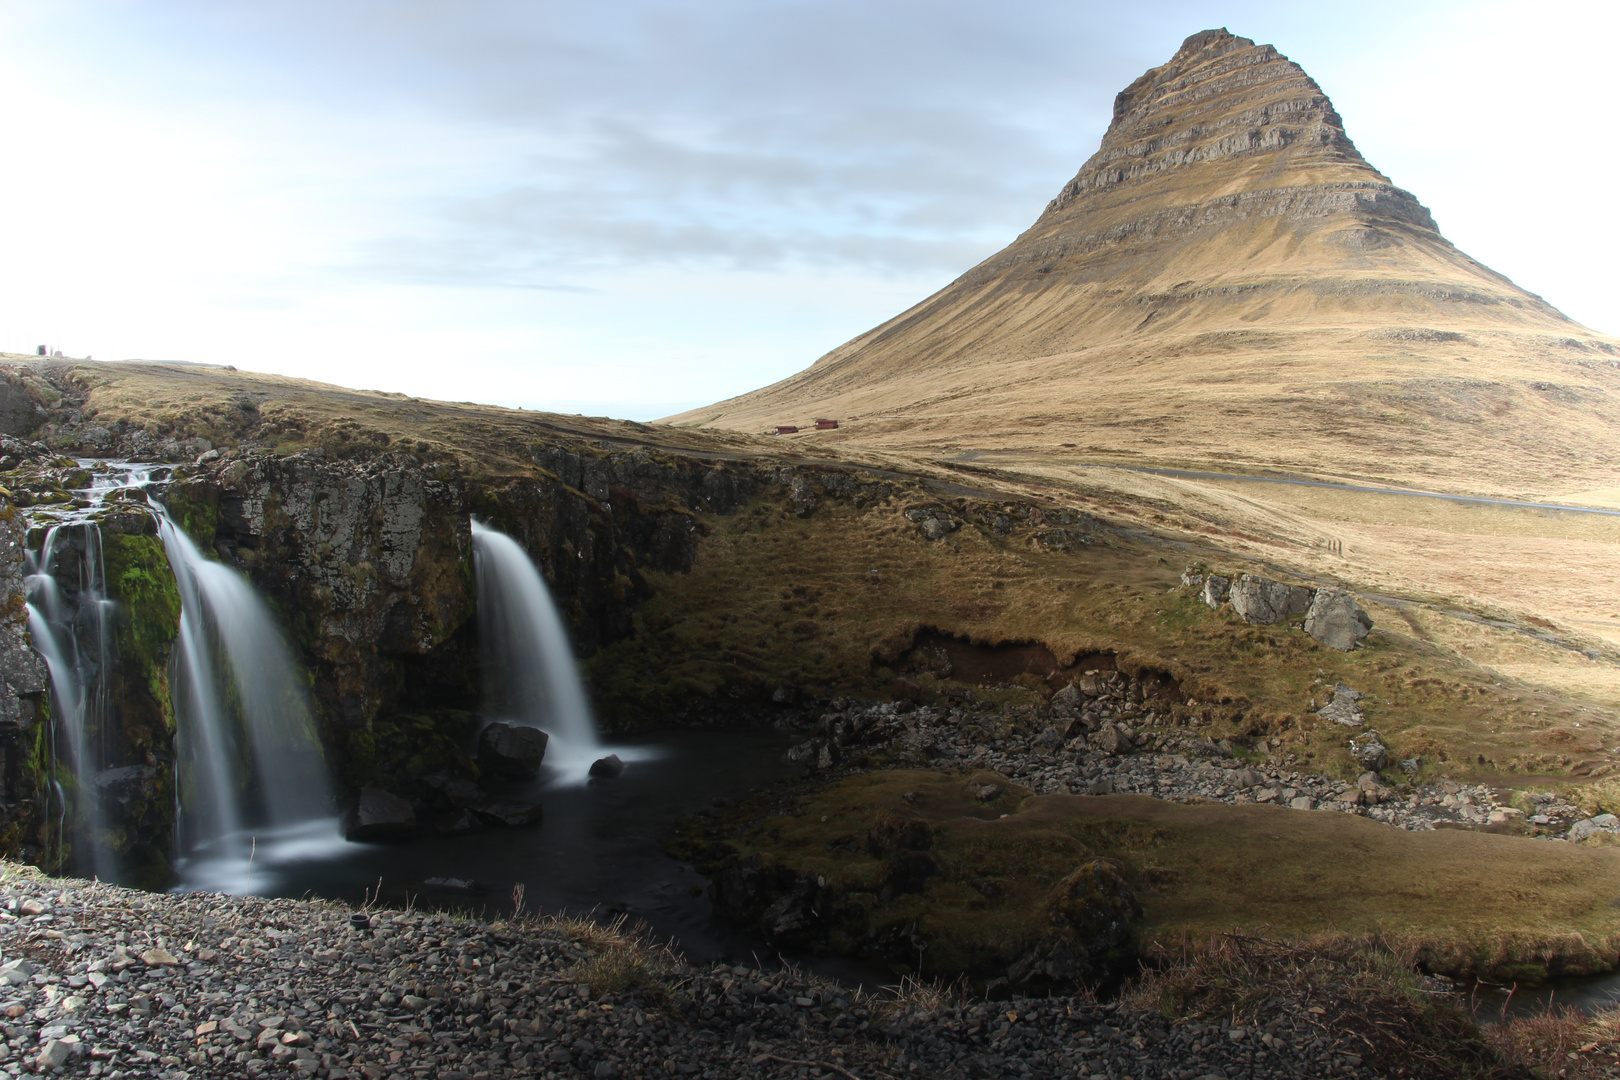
598,848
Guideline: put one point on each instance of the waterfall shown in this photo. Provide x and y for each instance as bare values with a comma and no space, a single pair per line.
72,630
252,780
530,673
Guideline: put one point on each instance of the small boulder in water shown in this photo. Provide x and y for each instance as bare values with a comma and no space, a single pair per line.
511,750
607,767
379,816
460,823
509,814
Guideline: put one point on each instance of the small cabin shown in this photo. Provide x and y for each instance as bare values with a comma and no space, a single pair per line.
786,429
826,425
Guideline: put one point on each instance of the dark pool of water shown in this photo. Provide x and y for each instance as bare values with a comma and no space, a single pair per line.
597,849
1589,995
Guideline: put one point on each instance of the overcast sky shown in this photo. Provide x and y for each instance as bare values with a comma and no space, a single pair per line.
635,207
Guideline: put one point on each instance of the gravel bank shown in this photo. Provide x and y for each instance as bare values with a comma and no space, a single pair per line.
103,981
1180,768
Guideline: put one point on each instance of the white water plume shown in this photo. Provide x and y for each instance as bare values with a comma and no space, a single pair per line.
251,773
530,672
74,635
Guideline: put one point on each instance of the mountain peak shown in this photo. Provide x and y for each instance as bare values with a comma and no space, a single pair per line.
1223,100
1214,41
1226,242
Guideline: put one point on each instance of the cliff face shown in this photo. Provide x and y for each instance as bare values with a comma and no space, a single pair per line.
1226,279
23,700
369,561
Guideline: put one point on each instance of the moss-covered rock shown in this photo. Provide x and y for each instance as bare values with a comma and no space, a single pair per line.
137,797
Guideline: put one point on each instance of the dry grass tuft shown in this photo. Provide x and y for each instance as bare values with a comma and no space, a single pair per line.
914,995
1364,992
1561,1042
626,958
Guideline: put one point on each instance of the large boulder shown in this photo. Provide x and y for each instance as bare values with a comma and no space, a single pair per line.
1261,600
379,817
1370,750
1215,590
511,750
1336,620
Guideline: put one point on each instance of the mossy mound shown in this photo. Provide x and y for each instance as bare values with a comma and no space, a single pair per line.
1008,868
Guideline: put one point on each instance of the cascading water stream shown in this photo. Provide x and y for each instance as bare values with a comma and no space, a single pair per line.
252,781
530,672
73,632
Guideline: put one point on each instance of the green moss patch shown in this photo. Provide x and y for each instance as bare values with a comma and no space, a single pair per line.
147,620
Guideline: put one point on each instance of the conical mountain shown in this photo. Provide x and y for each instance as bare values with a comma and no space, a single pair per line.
1228,281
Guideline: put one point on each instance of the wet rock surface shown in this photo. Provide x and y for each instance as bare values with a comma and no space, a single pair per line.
511,750
379,816
108,982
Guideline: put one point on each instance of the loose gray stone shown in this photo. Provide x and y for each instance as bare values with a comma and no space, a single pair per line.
54,1055
1343,708
1336,620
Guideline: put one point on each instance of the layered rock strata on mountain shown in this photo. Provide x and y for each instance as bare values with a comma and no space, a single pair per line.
1226,277
1222,104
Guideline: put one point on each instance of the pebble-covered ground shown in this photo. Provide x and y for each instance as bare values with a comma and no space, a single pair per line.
1174,766
104,981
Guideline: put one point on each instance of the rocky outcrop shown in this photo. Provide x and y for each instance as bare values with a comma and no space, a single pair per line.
1336,620
1369,750
1261,600
22,672
1224,99
1345,708
933,522
22,693
1332,615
